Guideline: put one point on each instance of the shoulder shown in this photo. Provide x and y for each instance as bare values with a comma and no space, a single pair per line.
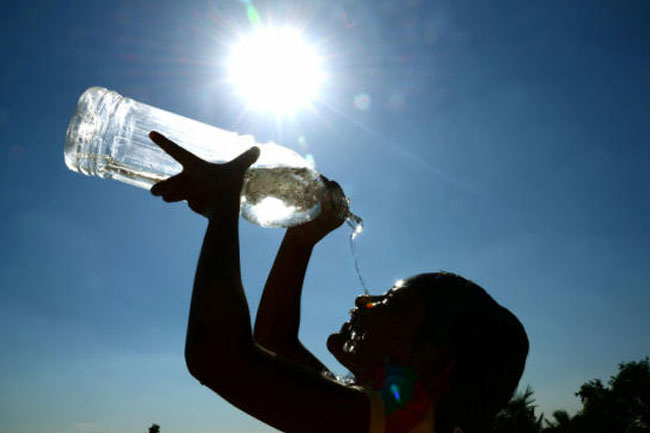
377,415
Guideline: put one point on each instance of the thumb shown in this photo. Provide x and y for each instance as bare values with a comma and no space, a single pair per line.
247,158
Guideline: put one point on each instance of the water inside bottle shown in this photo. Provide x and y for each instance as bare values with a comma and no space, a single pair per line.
281,196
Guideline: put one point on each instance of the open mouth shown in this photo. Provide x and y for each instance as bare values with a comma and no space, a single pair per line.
352,323
354,316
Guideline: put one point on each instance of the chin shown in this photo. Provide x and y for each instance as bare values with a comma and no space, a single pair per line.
335,344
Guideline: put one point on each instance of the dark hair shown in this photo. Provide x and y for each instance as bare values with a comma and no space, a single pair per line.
488,343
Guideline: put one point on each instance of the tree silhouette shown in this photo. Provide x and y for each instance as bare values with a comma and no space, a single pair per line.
621,406
519,415
562,423
155,428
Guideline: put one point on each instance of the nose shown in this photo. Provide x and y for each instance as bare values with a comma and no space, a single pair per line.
365,301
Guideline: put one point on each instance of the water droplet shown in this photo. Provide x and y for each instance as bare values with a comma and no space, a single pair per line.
350,346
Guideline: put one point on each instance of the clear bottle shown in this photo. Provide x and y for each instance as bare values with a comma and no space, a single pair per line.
108,137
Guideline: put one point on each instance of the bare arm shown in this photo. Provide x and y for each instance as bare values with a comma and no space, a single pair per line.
220,350
278,315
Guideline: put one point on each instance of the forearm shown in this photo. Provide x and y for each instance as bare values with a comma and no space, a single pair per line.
219,331
278,315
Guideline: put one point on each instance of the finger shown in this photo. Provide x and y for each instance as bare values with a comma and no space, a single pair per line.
330,184
155,190
160,187
247,158
195,207
173,196
172,149
166,185
172,190
334,199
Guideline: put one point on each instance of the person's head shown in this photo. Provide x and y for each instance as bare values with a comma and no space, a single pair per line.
466,350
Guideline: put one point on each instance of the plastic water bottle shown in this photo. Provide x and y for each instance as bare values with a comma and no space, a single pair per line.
108,137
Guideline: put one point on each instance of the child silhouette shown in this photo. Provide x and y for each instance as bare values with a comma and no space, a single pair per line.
434,353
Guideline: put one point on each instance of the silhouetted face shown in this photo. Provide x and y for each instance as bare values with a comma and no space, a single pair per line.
380,331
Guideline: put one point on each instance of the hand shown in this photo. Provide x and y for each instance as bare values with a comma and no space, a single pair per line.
210,189
334,208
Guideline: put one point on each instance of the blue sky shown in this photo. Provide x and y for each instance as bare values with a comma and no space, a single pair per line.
504,141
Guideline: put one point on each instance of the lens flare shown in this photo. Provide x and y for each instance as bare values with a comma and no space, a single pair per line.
395,390
362,101
253,16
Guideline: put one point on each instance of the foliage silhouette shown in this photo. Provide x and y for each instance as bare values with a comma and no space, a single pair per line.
519,415
621,406
562,423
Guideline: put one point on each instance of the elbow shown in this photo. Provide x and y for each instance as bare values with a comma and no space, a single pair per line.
218,371
208,372
202,363
195,365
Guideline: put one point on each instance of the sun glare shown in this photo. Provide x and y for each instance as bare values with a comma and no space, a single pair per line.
272,209
275,70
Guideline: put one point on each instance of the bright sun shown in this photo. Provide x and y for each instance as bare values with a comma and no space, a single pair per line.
275,70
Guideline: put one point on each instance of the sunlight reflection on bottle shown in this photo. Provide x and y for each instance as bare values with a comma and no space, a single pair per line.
270,209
